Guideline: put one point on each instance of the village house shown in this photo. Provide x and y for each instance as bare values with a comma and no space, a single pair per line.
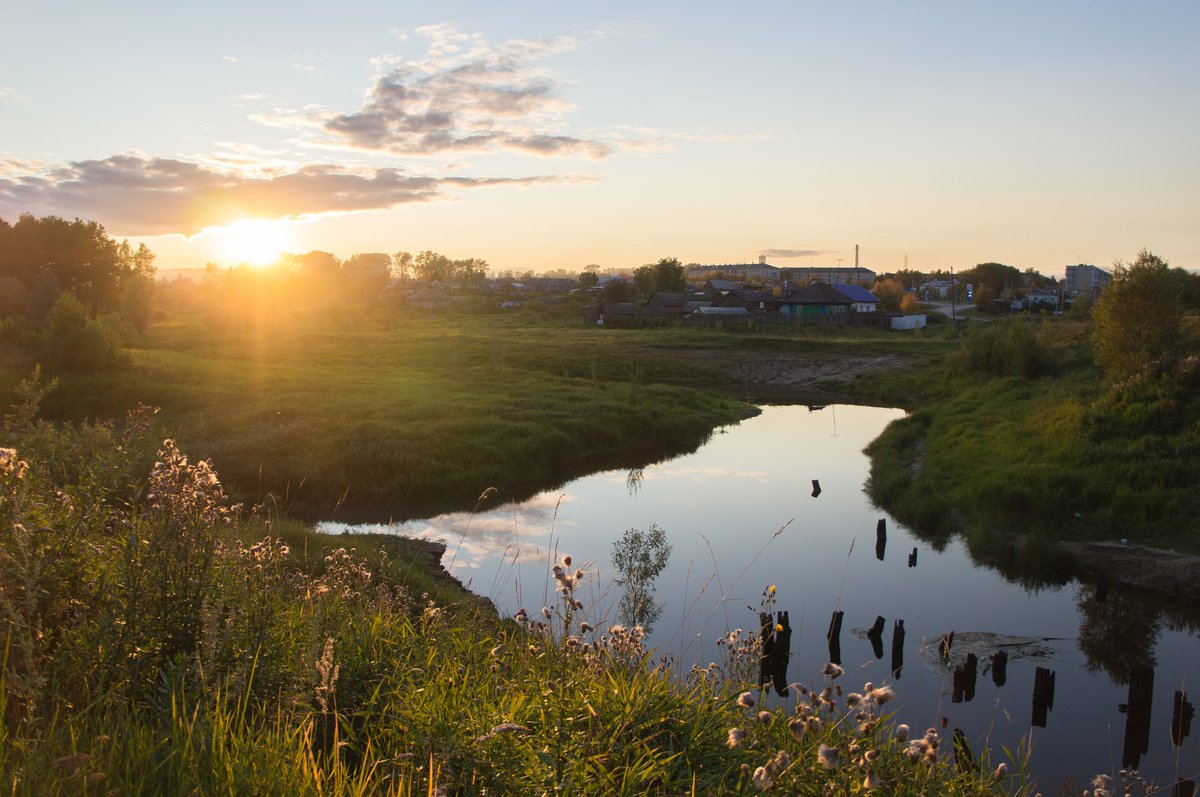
818,299
861,299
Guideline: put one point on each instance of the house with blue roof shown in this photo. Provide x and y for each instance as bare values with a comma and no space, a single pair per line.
861,299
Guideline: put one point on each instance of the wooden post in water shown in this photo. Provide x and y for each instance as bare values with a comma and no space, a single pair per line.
834,637
912,558
1181,718
1043,695
816,488
897,648
999,668
875,634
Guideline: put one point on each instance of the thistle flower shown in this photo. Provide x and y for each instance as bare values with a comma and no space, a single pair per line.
882,694
761,778
828,756
736,735
566,560
797,727
764,717
546,612
496,651
902,733
745,700
586,627
1001,771
872,781
832,670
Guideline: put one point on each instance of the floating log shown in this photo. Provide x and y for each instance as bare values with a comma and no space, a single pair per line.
1000,667
816,488
912,558
897,648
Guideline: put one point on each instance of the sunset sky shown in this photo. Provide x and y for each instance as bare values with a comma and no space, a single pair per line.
542,135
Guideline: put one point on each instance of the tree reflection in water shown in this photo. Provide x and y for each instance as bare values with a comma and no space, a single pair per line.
1117,632
639,556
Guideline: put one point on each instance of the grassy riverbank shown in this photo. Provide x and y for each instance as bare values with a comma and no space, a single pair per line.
1017,436
390,416
158,641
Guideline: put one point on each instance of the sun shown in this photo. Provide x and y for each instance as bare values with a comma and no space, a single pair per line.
257,242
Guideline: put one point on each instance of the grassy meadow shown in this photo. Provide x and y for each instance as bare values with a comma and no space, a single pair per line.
1016,436
383,415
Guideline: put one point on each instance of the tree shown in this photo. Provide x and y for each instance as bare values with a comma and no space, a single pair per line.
669,275
470,272
643,280
910,303
137,286
890,294
985,298
402,265
1139,321
366,274
996,275
616,290
429,266
588,279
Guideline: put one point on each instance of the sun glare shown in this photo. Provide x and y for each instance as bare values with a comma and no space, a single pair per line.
258,242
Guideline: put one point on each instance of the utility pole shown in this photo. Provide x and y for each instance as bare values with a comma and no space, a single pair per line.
952,300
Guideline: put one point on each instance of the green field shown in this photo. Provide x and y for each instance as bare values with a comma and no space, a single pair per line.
1016,436
383,416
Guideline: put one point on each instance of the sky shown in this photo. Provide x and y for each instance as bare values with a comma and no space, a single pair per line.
539,135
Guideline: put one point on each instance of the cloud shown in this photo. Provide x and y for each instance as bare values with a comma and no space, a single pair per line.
137,194
789,253
465,95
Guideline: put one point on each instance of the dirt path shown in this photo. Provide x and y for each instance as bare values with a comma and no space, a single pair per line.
790,374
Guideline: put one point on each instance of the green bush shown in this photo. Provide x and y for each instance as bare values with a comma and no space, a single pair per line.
74,341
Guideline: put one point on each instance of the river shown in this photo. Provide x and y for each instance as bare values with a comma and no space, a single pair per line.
1091,676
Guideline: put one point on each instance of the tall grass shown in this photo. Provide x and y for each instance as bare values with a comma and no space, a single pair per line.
159,640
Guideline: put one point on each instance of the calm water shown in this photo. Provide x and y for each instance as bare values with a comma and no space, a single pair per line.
740,515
